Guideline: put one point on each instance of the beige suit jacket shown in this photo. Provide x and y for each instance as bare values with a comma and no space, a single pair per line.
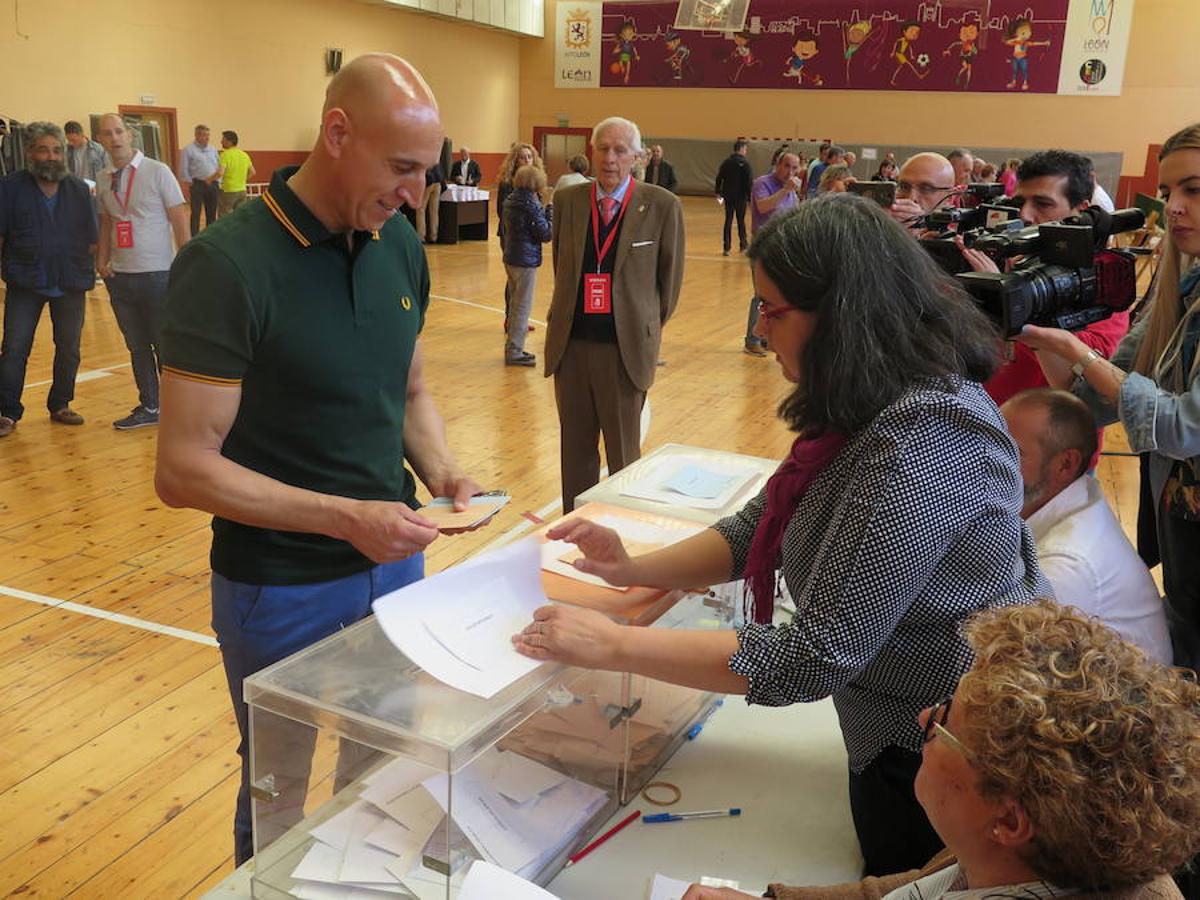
646,279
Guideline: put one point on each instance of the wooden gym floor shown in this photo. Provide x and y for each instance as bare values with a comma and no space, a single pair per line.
117,744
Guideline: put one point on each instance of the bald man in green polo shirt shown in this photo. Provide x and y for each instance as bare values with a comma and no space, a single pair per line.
293,393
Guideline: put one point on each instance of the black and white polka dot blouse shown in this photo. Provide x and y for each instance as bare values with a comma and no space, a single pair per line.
913,527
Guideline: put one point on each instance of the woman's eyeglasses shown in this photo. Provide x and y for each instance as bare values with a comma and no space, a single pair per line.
773,312
936,722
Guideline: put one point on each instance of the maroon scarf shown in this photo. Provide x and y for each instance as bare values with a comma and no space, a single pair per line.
791,480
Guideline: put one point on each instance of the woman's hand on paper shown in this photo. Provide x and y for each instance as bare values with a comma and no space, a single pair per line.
572,635
603,553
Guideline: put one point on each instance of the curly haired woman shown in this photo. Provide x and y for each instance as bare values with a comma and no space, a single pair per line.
1065,763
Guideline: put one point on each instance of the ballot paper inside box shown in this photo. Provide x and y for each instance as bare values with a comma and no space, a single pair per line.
373,779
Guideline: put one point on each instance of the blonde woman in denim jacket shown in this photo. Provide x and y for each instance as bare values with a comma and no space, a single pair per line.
1152,387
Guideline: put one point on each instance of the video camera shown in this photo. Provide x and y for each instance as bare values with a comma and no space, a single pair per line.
1066,279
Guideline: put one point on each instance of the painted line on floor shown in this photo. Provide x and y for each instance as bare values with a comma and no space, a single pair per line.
494,309
88,375
120,618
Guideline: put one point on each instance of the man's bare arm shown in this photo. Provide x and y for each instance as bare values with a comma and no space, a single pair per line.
194,421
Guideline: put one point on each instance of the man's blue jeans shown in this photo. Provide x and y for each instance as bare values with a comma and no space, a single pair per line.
258,625
138,299
22,310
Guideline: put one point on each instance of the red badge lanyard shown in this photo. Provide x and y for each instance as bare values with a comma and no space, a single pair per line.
602,252
128,190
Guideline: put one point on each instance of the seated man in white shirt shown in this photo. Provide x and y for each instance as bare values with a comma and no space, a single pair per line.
1083,552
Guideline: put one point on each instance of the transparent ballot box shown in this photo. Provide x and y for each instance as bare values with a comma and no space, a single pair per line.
371,778
693,483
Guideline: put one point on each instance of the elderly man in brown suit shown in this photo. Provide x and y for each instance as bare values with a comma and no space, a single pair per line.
618,266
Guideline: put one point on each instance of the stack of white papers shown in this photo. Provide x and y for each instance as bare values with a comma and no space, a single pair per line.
458,625
516,813
693,483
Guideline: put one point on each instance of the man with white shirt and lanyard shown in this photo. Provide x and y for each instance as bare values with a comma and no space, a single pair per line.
141,209
618,266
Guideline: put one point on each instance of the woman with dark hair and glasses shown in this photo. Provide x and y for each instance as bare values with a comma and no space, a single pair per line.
1066,763
894,518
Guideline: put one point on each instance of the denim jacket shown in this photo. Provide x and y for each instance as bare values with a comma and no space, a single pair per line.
1156,421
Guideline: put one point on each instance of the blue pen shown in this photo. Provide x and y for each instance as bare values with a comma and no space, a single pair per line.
702,814
699,726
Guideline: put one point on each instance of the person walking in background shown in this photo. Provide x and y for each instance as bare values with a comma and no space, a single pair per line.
734,182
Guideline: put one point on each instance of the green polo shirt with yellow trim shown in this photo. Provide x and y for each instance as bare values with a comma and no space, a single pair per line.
320,337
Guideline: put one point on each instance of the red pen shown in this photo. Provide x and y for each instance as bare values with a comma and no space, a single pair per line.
632,817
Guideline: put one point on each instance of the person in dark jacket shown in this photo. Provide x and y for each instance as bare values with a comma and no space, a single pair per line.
734,182
47,237
526,228
659,171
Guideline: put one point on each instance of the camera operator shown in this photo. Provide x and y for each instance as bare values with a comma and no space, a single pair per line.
1151,387
1051,185
925,182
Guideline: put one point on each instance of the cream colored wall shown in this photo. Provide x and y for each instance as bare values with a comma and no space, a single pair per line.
255,66
1161,94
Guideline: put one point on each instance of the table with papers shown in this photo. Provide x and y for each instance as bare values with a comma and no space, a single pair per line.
468,763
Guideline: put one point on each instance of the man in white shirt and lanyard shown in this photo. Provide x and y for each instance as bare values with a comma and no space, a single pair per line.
1083,552
141,209
200,166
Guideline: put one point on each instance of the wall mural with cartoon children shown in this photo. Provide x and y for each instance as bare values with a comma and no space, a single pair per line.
909,45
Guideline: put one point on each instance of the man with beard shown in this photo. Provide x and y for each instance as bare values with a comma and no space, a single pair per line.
141,208
47,236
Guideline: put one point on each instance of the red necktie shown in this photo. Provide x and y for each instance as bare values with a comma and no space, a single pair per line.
608,209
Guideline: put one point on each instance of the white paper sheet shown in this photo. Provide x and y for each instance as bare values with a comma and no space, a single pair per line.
335,831
488,882
322,864
390,781
362,863
698,483
664,888
518,778
517,837
659,483
458,625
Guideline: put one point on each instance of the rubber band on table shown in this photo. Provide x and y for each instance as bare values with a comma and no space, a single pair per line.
666,785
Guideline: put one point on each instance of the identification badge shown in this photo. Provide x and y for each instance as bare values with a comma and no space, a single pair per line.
597,294
124,234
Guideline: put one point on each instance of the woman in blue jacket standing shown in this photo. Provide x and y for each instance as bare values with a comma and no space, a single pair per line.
526,228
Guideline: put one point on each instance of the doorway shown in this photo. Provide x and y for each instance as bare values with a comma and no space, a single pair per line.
557,145
157,129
